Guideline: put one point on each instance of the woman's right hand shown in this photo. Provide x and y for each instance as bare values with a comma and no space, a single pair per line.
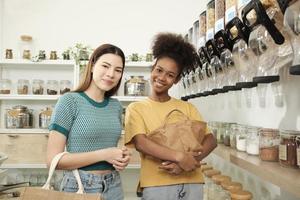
187,161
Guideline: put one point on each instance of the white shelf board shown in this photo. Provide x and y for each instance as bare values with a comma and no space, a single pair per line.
23,166
10,62
142,64
23,130
28,97
130,98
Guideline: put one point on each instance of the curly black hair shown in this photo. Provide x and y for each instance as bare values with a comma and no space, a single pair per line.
174,46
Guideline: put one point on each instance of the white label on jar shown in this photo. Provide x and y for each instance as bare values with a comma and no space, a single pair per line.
282,152
242,3
210,34
201,41
219,25
230,13
298,156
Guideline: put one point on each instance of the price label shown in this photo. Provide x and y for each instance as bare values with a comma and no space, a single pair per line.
230,14
210,34
219,25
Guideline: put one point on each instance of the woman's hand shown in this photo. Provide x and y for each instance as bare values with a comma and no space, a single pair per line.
171,168
120,157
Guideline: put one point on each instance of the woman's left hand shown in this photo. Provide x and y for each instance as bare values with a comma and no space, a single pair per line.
171,168
121,163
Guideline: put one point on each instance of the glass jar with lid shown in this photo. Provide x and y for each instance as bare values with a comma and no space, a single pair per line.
269,140
208,189
23,86
219,193
210,20
227,133
288,148
252,141
213,127
52,87
202,29
25,46
220,132
65,86
233,130
241,138
5,86
37,86
241,195
219,14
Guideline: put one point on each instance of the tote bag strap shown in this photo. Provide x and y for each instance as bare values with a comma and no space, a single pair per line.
171,112
52,168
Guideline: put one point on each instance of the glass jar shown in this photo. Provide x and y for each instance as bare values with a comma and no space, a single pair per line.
288,148
230,10
269,140
220,132
233,130
219,192
53,55
298,150
37,86
227,133
8,54
210,20
219,14
5,86
65,86
136,86
213,126
25,46
241,138
52,87
202,29
208,189
252,141
241,195
23,86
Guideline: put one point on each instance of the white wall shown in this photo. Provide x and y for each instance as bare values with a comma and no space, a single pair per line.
131,24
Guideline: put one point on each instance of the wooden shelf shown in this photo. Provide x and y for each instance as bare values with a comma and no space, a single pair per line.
273,172
9,62
23,130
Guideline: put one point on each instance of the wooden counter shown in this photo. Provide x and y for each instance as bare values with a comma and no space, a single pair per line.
285,178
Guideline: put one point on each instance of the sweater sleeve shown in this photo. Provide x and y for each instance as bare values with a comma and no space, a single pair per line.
64,114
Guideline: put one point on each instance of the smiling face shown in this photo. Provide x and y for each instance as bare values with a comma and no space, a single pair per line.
107,72
164,74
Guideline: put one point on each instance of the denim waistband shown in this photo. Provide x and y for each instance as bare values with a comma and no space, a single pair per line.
96,177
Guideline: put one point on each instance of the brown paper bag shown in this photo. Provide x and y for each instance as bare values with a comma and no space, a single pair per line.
184,135
44,193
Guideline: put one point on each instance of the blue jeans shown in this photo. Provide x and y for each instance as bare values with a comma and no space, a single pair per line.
174,192
109,185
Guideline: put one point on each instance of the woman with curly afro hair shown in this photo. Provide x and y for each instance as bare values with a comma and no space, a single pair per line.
165,173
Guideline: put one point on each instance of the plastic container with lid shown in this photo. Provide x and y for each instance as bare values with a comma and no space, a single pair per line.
23,86
241,195
37,86
230,10
252,142
269,144
219,14
210,20
288,148
241,138
5,86
52,87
